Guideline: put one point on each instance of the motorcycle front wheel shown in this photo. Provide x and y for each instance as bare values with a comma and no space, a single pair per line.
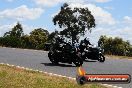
101,58
78,61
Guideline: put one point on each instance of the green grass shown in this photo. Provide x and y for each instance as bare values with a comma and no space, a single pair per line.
118,57
12,77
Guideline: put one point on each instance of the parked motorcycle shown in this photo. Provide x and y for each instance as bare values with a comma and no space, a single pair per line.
65,53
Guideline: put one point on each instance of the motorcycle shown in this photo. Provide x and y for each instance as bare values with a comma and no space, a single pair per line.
64,53
92,52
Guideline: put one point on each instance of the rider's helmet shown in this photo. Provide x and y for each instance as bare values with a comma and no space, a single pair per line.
86,40
59,38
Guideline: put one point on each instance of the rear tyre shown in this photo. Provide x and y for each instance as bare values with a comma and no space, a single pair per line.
101,58
52,58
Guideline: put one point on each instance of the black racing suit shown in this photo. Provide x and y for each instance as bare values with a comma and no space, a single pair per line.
83,45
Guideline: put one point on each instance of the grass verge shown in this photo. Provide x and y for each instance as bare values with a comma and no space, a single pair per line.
118,57
12,77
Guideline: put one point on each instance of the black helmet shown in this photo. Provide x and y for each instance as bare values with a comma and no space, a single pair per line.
59,38
86,39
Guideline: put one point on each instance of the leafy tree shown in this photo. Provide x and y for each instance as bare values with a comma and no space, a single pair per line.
101,41
115,46
13,37
129,53
17,31
74,21
52,36
11,41
38,37
1,41
25,42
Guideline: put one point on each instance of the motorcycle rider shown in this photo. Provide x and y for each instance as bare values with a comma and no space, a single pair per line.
83,45
57,42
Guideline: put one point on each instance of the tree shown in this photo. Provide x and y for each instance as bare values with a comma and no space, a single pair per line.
13,37
38,37
52,36
11,41
25,42
74,21
17,31
102,40
115,46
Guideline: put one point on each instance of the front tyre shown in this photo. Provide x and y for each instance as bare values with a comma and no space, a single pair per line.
52,58
101,58
78,61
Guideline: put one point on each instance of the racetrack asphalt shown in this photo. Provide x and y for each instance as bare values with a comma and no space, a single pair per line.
38,60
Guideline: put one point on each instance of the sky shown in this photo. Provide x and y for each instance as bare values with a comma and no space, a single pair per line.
112,17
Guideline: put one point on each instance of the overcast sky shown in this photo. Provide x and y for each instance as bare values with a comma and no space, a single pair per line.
113,17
